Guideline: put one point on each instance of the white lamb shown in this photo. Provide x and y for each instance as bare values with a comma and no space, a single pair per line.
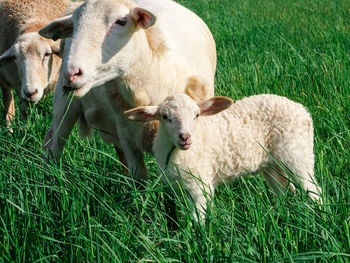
240,140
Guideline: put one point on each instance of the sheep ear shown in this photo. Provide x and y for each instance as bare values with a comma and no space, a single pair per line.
59,28
55,47
142,17
214,105
7,57
143,113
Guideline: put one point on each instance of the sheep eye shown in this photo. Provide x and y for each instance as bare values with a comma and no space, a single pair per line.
47,54
121,21
197,116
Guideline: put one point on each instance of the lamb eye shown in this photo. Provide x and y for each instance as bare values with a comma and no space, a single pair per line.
47,54
121,21
197,115
165,117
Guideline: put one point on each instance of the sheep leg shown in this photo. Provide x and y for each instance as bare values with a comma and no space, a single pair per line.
56,137
277,180
135,161
23,104
201,206
121,158
305,173
198,195
9,105
61,126
302,164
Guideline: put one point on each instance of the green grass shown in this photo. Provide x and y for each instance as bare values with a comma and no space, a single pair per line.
84,210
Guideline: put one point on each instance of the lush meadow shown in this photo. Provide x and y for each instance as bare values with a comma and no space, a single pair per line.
84,210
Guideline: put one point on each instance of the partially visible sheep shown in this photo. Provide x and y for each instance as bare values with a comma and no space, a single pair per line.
147,48
232,143
37,63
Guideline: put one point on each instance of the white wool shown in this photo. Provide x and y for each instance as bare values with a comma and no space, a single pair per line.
237,141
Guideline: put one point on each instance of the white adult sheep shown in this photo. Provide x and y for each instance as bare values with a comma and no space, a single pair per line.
37,63
145,48
238,140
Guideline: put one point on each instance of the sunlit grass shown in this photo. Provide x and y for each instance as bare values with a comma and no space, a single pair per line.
84,209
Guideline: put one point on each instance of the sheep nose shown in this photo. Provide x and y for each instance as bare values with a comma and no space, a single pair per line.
184,136
72,75
29,95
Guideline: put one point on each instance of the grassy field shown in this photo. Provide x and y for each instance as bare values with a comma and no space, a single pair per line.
83,210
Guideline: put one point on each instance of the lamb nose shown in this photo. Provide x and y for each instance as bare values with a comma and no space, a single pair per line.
185,136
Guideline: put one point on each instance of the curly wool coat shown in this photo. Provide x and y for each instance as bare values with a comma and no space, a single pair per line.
241,140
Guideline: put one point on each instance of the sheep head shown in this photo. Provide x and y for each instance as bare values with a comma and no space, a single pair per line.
178,115
103,45
37,63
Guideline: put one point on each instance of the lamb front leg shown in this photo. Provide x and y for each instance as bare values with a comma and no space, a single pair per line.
201,196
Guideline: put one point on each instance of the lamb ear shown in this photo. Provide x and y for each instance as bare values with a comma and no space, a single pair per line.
59,28
143,113
214,105
7,57
142,17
